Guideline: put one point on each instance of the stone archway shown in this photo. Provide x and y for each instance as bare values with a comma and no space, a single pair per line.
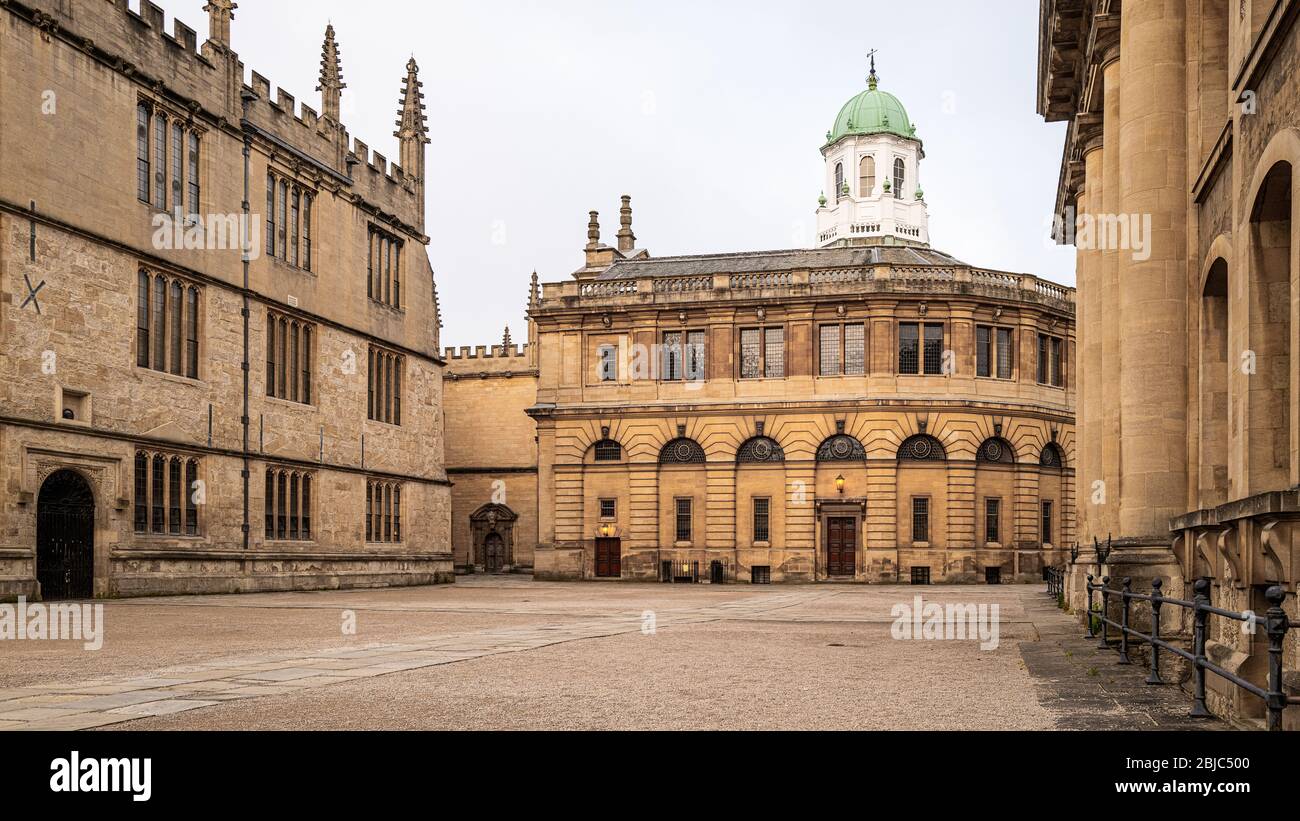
65,537
493,529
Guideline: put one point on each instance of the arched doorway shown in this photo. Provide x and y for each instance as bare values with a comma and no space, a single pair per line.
493,529
65,538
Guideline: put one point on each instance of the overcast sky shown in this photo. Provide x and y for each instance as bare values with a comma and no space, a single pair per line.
709,113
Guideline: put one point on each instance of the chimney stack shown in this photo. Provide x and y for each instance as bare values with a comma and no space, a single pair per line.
593,231
626,239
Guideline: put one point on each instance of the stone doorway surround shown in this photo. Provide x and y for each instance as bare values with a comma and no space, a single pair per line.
839,508
493,520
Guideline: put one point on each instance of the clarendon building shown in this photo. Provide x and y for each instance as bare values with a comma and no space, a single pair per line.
179,414
870,409
1179,180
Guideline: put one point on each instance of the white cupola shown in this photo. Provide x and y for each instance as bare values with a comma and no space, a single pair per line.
873,194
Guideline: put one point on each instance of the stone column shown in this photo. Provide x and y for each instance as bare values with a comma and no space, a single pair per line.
1103,518
1153,276
1089,333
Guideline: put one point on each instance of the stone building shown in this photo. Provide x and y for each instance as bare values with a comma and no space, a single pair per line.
871,409
1179,182
176,415
492,455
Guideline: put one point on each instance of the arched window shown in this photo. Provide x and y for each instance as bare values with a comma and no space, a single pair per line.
997,451
922,448
760,450
682,452
867,177
607,450
900,177
841,448
1052,456
839,181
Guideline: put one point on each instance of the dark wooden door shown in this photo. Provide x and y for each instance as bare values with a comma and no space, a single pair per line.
841,547
609,558
494,548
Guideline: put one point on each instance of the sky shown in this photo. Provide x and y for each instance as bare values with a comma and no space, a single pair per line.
709,114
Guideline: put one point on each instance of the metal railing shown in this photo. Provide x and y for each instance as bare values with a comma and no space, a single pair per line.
1276,624
1055,578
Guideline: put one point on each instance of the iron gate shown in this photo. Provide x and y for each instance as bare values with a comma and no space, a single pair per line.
65,538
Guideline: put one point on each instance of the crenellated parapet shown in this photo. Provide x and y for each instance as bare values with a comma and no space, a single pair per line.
207,80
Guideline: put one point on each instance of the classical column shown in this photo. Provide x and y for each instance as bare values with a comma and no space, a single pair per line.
1089,333
1153,269
1104,516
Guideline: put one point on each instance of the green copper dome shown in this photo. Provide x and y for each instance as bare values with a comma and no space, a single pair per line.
872,112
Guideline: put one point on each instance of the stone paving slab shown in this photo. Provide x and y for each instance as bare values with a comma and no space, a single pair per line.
1064,683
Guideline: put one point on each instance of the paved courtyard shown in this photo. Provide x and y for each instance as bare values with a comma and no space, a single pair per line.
507,653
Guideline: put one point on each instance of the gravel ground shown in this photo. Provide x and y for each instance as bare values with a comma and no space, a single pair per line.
734,675
510,653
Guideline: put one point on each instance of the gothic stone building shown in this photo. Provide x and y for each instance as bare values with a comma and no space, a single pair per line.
1187,113
871,409
177,416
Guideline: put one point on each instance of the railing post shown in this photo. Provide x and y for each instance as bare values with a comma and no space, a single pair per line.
1156,601
1091,633
1277,627
1123,632
1105,612
1202,600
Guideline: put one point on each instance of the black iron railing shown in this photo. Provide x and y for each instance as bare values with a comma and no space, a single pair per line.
1055,577
1275,621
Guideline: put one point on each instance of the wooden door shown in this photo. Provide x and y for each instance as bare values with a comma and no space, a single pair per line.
609,558
841,547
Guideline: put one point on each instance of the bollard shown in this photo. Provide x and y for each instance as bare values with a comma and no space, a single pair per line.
1091,633
1277,627
1156,601
1202,599
1123,633
1105,612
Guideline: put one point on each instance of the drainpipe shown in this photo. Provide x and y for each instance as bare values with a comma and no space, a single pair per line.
246,97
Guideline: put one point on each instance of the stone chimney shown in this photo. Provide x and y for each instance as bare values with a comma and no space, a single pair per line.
626,239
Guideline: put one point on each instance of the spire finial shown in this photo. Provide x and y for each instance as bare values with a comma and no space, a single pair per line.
412,124
220,13
872,78
506,342
534,293
593,231
331,76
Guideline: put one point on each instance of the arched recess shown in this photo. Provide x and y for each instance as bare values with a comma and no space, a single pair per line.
493,529
760,493
1270,411
995,492
65,537
923,497
683,493
1212,380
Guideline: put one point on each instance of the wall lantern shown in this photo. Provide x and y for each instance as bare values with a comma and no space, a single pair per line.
839,484
607,531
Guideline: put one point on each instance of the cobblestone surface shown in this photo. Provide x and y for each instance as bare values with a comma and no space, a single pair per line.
510,653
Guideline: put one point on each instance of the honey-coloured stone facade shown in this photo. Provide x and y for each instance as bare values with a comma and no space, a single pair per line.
1187,115
78,395
789,475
